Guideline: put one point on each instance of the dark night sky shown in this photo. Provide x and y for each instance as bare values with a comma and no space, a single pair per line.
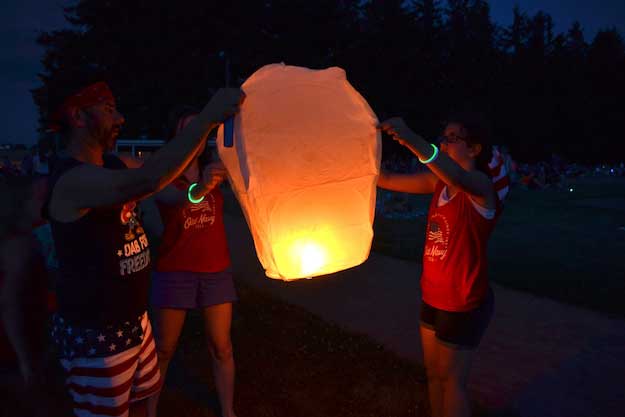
20,20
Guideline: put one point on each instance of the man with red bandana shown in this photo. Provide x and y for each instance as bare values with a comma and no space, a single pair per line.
101,329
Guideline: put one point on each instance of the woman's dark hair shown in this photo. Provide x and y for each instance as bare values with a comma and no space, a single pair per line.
177,116
478,133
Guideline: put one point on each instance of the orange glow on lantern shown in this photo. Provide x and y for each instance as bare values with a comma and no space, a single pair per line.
304,168
302,257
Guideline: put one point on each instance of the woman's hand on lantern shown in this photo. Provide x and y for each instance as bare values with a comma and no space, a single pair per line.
212,175
397,128
224,104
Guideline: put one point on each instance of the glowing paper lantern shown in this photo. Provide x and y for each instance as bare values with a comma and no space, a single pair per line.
304,168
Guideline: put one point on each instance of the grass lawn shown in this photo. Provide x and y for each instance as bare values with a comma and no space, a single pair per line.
559,244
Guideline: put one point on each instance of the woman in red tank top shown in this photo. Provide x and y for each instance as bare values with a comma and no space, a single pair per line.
457,302
193,267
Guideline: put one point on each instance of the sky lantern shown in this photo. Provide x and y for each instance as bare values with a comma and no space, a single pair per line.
304,168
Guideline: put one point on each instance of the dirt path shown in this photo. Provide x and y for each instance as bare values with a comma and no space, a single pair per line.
539,357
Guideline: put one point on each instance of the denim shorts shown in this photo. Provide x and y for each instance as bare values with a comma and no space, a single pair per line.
189,290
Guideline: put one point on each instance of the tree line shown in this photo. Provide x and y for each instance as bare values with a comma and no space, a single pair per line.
544,92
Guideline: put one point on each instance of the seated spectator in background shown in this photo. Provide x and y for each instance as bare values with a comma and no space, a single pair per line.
44,158
7,167
27,165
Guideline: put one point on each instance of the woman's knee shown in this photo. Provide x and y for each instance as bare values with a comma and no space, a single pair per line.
453,382
432,370
221,352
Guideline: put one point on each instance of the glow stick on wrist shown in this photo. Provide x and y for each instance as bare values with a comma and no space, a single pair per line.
190,197
431,158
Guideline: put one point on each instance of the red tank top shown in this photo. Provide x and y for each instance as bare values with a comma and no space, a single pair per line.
194,236
455,270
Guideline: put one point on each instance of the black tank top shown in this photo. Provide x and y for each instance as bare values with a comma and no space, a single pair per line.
104,260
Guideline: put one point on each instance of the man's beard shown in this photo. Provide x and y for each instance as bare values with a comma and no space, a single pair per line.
110,138
106,138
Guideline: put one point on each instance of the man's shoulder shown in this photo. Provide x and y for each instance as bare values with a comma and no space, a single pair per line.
64,164
113,161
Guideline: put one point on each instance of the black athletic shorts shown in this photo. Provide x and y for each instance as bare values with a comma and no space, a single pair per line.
459,330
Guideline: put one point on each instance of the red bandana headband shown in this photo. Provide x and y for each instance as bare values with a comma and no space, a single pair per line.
88,96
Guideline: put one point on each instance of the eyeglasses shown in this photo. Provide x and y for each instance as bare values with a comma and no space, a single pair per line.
451,139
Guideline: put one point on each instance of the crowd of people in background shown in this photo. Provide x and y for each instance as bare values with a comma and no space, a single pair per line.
554,173
36,162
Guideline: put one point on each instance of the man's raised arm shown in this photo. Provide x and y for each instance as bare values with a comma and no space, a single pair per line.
89,186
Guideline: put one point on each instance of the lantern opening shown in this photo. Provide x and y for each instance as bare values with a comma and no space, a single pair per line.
303,257
312,257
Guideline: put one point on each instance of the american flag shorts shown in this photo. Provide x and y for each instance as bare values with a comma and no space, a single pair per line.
108,369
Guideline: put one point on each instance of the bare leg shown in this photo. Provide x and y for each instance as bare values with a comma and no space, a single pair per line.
430,358
455,366
217,320
151,404
168,324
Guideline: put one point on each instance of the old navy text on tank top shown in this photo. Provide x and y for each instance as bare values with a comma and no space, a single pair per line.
455,265
194,235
